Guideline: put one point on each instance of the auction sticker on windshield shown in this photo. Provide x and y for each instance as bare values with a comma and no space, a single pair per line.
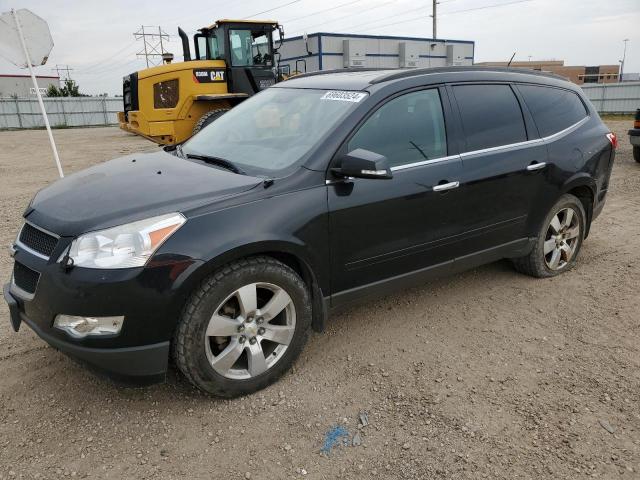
343,96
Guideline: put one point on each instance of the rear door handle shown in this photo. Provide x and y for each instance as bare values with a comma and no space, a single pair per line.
536,166
446,186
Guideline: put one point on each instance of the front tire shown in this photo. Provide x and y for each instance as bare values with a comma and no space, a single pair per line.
558,242
243,327
636,154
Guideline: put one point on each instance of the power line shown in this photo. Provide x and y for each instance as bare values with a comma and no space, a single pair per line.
113,69
104,60
487,6
392,16
335,7
350,16
62,68
153,47
272,9
448,13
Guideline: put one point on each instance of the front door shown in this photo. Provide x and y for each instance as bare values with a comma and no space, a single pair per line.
388,228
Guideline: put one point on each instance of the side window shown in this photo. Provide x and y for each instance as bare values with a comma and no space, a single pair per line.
491,115
166,94
553,109
407,129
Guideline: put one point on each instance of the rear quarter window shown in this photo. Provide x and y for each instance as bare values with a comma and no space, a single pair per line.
553,109
491,116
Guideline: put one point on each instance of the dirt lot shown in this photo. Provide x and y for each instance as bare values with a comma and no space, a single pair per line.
487,374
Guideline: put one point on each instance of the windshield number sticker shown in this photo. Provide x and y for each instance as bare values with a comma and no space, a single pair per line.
343,96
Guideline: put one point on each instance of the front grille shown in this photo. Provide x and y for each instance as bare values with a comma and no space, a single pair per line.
38,240
25,278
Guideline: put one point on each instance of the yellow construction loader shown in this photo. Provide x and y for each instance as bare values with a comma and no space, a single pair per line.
233,60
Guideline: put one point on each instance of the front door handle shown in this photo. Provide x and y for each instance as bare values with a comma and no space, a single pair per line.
446,186
536,166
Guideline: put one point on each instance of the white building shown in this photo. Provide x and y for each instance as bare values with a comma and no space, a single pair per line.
22,86
328,51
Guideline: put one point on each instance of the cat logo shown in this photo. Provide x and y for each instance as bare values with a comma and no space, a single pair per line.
209,76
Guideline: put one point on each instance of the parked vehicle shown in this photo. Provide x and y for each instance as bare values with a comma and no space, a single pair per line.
233,59
223,252
634,137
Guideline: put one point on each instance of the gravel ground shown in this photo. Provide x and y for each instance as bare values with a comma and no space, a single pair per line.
486,374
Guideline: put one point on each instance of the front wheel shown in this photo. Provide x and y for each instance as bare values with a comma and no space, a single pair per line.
558,242
243,327
636,154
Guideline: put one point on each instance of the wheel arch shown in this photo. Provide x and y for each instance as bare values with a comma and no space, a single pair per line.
291,254
584,188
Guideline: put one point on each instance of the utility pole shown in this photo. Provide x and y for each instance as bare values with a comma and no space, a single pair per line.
62,68
435,24
624,57
153,44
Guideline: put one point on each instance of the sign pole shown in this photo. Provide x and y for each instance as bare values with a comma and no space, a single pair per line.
35,84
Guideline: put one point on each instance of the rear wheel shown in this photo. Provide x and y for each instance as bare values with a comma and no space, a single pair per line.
558,242
636,154
208,118
243,327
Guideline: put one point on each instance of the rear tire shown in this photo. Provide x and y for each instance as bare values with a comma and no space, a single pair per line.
636,154
243,327
559,240
208,118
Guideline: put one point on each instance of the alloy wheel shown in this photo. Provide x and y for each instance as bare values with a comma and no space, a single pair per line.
250,331
561,239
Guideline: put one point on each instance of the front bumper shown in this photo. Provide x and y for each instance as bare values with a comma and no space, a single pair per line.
138,365
634,137
149,298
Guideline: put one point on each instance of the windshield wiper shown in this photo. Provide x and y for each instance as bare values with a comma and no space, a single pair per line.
220,162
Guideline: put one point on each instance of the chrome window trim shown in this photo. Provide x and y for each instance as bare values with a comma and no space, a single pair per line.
512,146
555,136
424,162
30,250
515,146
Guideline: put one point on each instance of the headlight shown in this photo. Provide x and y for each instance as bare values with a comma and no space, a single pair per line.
124,246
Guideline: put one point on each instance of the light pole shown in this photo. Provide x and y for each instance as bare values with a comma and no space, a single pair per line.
624,56
435,22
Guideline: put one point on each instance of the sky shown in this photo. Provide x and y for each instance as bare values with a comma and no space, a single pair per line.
95,38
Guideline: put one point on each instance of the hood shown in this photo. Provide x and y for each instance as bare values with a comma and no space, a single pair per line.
131,188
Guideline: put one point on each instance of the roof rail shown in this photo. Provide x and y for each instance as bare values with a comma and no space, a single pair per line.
340,70
414,72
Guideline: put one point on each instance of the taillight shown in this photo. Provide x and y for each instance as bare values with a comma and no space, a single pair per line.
636,124
613,139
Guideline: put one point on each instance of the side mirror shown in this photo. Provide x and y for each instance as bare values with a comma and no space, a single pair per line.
361,163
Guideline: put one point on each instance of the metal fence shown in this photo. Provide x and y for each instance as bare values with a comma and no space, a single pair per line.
87,111
614,97
62,112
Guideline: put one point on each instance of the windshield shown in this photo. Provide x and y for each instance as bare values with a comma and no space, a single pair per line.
250,48
273,130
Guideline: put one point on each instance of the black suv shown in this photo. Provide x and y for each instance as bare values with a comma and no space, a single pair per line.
223,252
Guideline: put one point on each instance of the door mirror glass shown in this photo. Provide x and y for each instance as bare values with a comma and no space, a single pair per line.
362,163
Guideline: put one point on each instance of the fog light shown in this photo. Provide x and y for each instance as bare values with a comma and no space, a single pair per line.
80,327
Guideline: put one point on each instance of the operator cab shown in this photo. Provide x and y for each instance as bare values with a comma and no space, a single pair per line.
247,48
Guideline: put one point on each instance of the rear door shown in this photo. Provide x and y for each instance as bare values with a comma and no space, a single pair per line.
387,228
559,115
503,165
